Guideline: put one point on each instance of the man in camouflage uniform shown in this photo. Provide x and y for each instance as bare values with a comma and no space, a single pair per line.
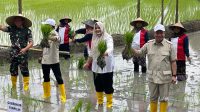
21,41
161,68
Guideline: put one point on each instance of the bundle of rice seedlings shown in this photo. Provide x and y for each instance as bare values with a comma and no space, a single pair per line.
102,47
46,29
127,53
81,62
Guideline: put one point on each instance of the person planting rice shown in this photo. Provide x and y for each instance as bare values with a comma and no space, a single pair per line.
65,32
87,38
21,42
180,42
103,77
140,38
50,60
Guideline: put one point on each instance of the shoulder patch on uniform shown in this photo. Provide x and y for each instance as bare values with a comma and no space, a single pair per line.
151,40
168,41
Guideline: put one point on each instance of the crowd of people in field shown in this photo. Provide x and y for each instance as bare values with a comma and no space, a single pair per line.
166,57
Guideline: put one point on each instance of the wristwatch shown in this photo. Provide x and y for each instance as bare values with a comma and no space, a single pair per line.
174,75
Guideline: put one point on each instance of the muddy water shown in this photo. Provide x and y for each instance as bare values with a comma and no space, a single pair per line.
131,90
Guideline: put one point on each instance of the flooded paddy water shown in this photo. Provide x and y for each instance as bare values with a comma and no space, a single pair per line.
131,90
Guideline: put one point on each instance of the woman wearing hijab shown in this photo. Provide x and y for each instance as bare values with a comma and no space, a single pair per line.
103,78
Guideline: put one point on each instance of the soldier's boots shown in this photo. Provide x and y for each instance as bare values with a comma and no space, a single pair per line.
14,82
26,83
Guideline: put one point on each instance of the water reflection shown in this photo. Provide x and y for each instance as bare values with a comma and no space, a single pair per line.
131,91
178,97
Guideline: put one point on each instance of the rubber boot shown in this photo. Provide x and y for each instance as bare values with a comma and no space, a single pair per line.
109,100
26,83
47,90
144,69
153,106
136,67
163,106
14,81
62,93
99,98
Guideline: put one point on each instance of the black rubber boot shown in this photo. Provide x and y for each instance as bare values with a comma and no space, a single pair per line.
144,69
136,67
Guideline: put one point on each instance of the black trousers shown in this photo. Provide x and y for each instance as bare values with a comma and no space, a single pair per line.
103,82
65,47
85,53
181,70
56,70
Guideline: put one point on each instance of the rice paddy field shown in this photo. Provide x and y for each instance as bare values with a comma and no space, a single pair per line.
116,14
131,89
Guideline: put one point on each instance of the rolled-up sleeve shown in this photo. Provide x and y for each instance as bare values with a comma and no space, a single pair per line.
172,53
29,36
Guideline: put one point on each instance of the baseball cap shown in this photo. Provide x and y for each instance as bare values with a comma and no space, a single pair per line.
51,22
159,27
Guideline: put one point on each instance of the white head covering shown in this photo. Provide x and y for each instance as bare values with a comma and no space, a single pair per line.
95,39
49,21
159,27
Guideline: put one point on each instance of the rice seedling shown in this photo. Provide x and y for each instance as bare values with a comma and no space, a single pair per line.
46,29
78,107
127,52
102,47
81,62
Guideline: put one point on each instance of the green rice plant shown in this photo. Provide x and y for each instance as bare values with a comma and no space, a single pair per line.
102,47
88,107
46,29
127,52
81,62
78,107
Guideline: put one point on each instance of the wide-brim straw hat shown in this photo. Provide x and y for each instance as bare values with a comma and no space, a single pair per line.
90,22
66,18
177,25
26,22
144,23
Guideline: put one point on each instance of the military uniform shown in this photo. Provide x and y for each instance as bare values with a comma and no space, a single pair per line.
19,39
159,71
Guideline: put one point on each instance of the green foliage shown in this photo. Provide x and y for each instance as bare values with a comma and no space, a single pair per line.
128,38
45,29
81,62
127,52
78,107
102,47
